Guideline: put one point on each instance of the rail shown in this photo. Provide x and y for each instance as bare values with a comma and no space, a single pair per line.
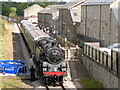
60,87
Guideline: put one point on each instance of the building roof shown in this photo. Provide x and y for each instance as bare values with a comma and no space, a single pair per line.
115,7
72,4
50,9
99,2
32,7
74,14
56,18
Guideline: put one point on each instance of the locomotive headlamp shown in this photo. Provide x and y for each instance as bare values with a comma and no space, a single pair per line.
55,69
64,69
44,69
64,64
44,63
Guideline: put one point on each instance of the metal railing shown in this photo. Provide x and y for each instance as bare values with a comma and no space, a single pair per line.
103,58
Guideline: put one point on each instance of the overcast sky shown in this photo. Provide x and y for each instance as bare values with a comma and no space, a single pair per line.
30,0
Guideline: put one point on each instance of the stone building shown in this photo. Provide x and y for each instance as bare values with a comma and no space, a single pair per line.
115,22
48,17
32,11
70,18
99,22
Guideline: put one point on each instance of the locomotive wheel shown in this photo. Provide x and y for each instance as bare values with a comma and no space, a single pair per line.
47,81
61,80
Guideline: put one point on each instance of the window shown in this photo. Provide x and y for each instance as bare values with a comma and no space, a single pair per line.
54,26
88,34
102,33
84,13
94,13
103,14
75,14
116,31
117,46
84,29
94,32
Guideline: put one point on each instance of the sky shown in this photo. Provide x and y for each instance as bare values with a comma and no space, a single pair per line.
26,0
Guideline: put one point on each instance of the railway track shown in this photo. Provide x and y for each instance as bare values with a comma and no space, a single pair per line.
41,85
59,87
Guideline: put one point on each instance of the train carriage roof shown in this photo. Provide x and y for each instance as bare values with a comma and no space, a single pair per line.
35,32
31,28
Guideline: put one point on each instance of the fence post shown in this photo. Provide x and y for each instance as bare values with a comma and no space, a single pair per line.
111,59
89,50
86,48
67,53
102,57
92,52
117,61
83,47
99,55
95,54
107,60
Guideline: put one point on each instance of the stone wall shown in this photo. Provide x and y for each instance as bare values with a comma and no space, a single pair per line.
101,73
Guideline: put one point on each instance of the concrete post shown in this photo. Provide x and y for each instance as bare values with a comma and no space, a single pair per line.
66,45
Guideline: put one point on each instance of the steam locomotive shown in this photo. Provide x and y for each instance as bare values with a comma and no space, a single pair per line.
46,52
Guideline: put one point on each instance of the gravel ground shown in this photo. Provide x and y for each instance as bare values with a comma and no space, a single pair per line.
18,51
78,72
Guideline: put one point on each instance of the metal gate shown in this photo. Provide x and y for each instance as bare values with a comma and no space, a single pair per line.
72,53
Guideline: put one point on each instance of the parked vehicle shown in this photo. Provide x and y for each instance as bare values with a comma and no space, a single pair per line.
108,49
114,46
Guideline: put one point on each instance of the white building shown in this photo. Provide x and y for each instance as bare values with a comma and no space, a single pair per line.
32,12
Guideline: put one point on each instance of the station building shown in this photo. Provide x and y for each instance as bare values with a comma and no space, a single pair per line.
100,21
70,18
48,17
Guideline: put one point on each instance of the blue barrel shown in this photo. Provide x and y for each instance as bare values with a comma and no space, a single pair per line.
12,66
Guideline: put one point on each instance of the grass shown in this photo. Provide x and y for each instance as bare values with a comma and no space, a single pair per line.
11,82
90,83
1,40
5,39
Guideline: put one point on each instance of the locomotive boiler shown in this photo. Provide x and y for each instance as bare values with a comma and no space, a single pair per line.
46,52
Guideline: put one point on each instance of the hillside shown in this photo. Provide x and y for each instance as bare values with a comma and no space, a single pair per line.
6,45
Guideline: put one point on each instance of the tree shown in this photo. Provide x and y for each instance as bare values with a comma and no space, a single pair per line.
13,9
42,5
13,12
0,8
21,7
5,9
